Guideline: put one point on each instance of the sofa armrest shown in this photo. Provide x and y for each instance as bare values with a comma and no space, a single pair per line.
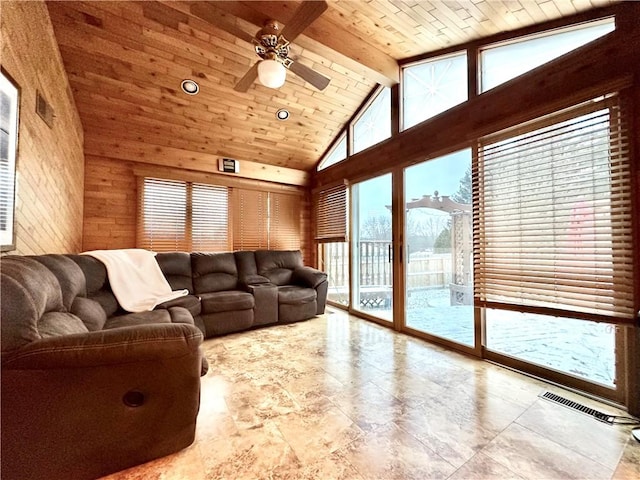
265,296
108,347
86,405
309,277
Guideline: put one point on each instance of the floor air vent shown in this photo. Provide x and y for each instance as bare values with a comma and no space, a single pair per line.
602,417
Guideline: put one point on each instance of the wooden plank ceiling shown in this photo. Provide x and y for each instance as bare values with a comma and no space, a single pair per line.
125,62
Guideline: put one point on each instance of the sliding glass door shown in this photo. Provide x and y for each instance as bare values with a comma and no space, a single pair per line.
438,248
372,285
555,246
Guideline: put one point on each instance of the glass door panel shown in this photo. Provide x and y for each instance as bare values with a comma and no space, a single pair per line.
438,248
372,247
574,347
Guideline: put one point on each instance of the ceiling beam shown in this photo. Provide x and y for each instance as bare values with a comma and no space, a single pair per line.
322,37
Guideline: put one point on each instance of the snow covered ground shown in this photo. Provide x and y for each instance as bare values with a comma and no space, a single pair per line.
580,348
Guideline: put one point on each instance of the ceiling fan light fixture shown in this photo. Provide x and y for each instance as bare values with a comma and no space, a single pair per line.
190,87
271,73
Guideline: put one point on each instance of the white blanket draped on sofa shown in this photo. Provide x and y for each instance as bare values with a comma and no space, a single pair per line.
136,279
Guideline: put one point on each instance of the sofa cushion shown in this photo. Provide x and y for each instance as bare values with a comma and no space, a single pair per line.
176,267
90,312
95,273
214,272
288,313
216,302
107,301
279,276
190,302
69,275
308,277
56,324
28,291
97,282
140,318
294,295
246,263
278,265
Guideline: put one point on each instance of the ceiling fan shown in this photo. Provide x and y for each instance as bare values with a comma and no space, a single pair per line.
272,47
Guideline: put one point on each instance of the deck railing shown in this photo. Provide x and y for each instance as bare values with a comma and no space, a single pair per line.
424,270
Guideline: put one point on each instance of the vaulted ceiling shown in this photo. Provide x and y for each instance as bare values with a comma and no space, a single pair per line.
126,60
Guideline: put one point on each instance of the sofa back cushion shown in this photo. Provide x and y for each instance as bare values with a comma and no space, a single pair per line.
69,275
31,306
214,272
176,267
246,262
74,290
278,265
97,281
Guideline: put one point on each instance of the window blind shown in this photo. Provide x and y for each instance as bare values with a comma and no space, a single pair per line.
331,214
250,210
162,213
552,220
284,221
209,218
182,216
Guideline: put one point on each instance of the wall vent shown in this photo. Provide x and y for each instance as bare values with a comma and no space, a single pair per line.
44,109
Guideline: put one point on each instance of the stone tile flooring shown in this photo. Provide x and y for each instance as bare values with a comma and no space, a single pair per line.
337,397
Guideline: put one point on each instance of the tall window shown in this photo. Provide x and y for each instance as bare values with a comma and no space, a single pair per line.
209,218
332,234
552,246
162,223
433,86
250,226
500,63
284,221
9,104
374,123
553,217
183,216
265,220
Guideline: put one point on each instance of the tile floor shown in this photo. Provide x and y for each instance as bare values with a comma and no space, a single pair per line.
336,397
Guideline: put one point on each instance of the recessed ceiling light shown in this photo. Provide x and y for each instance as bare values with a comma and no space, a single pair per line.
282,114
190,87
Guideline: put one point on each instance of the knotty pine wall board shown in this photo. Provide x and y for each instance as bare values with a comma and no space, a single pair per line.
50,162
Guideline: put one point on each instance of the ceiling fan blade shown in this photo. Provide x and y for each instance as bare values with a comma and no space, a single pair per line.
307,74
304,16
214,16
248,79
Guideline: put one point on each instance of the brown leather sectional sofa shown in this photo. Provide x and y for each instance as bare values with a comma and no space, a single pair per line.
89,389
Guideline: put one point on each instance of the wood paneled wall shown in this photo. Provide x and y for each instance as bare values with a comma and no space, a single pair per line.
111,201
50,163
110,196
